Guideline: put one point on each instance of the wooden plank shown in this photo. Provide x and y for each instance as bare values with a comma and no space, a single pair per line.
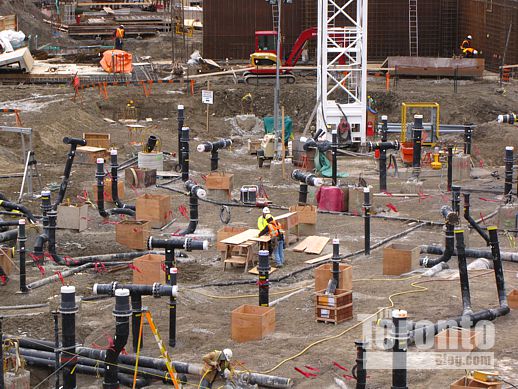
256,271
317,244
241,237
302,245
319,259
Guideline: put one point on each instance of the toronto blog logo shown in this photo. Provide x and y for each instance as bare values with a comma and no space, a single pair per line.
426,345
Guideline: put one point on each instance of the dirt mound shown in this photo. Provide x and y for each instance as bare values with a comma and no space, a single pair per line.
490,140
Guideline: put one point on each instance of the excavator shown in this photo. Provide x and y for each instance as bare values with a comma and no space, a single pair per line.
264,59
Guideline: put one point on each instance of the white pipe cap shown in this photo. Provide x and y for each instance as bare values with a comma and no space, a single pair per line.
68,289
180,106
366,189
122,292
100,160
205,245
509,148
201,193
500,119
113,152
384,117
200,148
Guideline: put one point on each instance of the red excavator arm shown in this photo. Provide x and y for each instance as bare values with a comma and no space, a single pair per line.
296,51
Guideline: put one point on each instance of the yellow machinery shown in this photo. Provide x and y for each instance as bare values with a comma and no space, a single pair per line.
433,135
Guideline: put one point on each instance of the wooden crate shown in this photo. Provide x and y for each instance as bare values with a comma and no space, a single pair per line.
149,269
140,177
307,213
334,315
155,208
251,322
465,383
399,258
457,339
97,139
88,155
73,217
339,299
18,380
227,232
222,181
512,299
6,259
108,190
8,22
323,275
133,234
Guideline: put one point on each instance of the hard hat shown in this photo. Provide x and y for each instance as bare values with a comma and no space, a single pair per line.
469,37
226,354
475,52
266,210
121,26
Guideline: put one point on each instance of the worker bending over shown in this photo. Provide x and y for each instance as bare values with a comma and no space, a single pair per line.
274,230
216,363
467,47
119,37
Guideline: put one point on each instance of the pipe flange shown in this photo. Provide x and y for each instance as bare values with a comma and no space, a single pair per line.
188,244
114,287
155,289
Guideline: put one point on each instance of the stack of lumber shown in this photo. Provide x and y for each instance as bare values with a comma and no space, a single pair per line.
311,245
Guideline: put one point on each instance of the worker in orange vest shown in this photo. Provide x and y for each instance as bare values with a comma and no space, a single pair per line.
274,230
467,47
119,36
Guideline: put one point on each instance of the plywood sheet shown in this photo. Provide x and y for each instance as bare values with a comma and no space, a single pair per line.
319,259
302,245
241,237
316,244
255,271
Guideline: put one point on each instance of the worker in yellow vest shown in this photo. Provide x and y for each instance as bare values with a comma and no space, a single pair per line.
119,37
274,230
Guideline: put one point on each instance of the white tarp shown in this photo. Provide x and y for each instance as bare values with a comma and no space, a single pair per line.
9,39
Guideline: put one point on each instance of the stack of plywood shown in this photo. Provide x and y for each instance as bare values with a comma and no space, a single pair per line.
312,245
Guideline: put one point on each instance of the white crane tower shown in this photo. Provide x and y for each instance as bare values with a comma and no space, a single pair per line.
342,66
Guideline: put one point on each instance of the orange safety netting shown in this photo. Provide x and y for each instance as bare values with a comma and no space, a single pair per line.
117,61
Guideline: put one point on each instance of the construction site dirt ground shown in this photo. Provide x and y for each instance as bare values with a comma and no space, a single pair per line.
204,311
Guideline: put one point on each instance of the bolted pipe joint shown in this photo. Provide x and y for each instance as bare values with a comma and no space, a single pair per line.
307,178
394,145
509,118
195,189
99,174
449,215
214,146
171,244
384,128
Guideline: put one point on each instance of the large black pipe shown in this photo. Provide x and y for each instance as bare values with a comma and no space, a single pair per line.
2,384
136,292
334,154
68,310
264,282
99,175
498,267
359,371
455,199
451,218
171,271
184,152
472,221
470,253
214,147
468,136
22,238
181,119
57,353
463,273
10,206
8,235
73,142
307,178
417,134
383,147
367,220
195,192
146,362
122,312
151,143
115,181
450,168
508,184
399,349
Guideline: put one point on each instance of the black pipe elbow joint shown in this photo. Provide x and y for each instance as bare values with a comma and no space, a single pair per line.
74,141
195,189
383,146
214,146
306,178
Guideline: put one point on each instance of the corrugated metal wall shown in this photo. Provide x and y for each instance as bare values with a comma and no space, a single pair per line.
488,23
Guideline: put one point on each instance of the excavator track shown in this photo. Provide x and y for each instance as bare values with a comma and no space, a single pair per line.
251,77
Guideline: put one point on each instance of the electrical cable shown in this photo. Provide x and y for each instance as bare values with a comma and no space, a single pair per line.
247,295
508,383
311,345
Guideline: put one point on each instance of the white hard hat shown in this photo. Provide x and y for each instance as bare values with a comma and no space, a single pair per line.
266,210
469,37
227,354
475,52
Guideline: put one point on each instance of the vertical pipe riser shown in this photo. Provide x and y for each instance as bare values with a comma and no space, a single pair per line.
463,272
367,220
450,168
68,310
22,238
400,338
172,308
264,275
361,372
509,162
